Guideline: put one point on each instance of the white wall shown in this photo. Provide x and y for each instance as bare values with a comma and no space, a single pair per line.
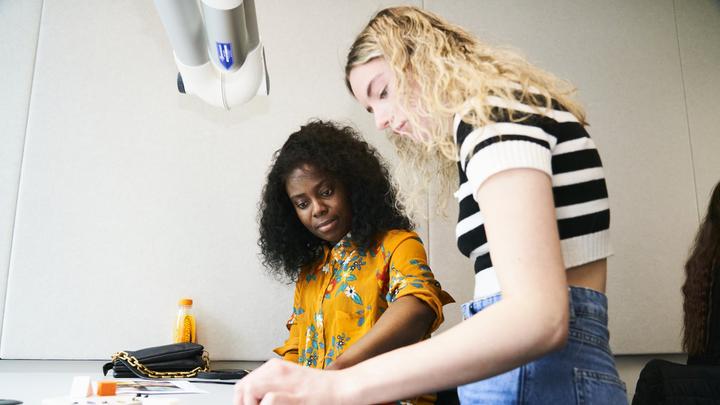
16,68
698,32
130,195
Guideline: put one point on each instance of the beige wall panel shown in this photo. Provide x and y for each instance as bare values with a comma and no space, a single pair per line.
454,270
133,195
623,57
19,22
699,35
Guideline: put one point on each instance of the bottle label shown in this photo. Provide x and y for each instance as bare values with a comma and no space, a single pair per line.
185,329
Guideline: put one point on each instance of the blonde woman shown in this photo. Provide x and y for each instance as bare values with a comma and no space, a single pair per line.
533,218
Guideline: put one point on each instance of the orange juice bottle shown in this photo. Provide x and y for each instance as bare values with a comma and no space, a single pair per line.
185,325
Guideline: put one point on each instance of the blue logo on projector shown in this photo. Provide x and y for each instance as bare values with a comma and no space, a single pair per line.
224,51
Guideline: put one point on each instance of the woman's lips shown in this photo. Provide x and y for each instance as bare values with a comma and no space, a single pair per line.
327,225
399,129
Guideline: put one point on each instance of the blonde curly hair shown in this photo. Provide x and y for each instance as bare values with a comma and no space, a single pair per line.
442,70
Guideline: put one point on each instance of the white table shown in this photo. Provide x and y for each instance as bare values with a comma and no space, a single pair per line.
31,381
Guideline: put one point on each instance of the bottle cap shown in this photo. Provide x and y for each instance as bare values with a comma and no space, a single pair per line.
106,388
185,301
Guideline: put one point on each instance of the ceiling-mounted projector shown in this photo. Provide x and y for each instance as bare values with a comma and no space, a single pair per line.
217,49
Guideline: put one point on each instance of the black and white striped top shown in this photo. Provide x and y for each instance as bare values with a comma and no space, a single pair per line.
554,142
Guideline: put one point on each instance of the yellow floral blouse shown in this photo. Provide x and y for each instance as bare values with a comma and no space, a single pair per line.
340,298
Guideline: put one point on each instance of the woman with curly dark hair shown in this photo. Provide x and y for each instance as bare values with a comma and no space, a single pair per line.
701,291
330,222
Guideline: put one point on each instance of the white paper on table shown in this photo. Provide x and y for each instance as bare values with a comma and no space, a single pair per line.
156,387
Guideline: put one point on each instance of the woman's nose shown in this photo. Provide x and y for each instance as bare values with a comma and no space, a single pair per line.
382,120
319,209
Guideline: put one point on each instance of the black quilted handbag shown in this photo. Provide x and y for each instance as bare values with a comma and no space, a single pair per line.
177,360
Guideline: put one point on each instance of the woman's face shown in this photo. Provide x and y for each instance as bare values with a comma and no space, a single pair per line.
321,203
374,86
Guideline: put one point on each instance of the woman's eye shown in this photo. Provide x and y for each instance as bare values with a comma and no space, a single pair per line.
383,93
326,193
301,205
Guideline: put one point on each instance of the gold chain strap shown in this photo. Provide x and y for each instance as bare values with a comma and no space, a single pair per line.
134,362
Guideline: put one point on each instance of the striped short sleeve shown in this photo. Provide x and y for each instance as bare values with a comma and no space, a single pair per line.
507,143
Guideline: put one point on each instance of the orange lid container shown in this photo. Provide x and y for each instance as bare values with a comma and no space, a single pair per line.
106,388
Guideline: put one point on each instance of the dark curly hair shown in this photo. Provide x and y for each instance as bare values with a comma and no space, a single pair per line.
339,152
701,270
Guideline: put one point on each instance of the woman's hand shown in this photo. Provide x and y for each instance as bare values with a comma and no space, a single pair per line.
280,382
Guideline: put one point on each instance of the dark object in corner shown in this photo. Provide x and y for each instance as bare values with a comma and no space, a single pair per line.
448,397
663,382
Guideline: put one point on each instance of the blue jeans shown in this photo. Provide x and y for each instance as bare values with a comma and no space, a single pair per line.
582,372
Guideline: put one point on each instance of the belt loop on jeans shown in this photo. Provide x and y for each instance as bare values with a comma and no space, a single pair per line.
572,305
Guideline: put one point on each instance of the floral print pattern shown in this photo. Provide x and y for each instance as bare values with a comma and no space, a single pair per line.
341,297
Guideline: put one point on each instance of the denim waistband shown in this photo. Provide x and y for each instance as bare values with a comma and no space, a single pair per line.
582,371
584,303
587,303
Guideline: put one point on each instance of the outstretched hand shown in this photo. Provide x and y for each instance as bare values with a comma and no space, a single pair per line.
280,382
